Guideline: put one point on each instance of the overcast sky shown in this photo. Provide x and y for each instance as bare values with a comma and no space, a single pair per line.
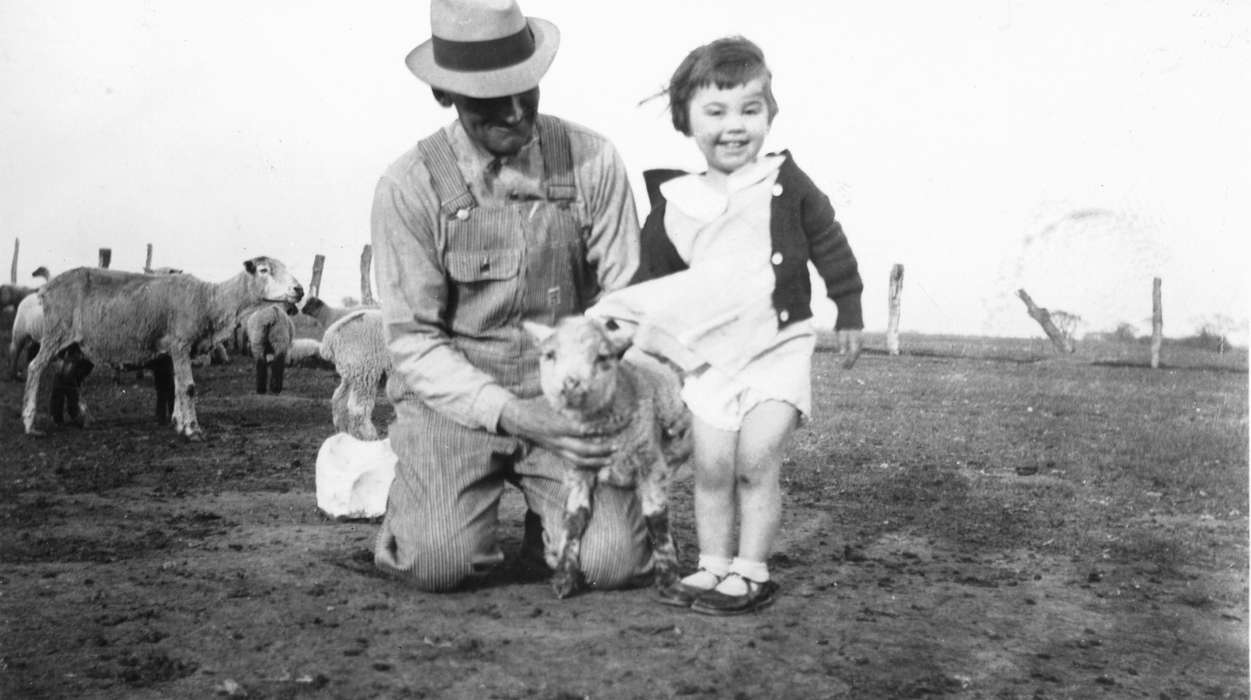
1074,148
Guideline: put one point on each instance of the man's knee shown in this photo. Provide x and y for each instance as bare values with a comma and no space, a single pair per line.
614,557
431,564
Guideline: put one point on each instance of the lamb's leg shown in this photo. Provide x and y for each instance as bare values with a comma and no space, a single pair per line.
163,380
34,372
338,406
654,502
568,577
359,404
68,385
277,367
262,374
184,397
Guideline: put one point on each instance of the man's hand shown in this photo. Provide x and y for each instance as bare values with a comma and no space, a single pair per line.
850,343
535,420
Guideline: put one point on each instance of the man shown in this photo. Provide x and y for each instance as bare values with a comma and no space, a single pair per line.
504,215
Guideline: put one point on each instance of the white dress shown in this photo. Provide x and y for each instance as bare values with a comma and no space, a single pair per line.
717,316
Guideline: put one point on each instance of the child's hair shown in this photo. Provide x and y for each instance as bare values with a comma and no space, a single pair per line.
726,63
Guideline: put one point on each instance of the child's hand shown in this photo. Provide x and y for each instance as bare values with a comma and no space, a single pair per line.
850,343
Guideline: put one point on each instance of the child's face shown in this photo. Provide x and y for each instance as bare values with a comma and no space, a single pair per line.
729,124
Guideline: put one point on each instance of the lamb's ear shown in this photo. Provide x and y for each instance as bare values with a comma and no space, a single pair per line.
538,331
250,266
620,334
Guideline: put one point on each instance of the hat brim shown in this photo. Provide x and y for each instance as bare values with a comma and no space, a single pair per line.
490,83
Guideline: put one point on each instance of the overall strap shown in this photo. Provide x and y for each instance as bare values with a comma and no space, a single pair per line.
449,184
557,159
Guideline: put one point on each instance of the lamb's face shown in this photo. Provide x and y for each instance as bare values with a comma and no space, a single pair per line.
577,364
273,280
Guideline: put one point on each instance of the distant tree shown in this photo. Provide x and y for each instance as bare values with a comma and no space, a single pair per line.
1125,332
1067,323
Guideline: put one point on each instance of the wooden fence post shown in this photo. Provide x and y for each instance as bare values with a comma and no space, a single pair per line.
314,284
367,295
17,246
106,255
1043,317
147,262
1157,322
892,324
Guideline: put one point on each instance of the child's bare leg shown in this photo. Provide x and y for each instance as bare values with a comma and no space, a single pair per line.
761,440
714,452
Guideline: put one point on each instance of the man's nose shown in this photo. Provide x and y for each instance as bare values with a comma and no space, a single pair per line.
513,111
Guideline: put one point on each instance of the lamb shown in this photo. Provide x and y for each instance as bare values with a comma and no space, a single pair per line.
326,314
124,317
306,352
270,332
356,346
632,403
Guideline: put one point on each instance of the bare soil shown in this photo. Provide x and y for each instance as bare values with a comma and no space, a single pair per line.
967,520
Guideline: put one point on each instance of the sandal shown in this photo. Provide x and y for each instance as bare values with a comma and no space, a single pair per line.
681,595
759,595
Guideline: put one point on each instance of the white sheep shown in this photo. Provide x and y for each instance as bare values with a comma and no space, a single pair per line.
306,352
356,346
270,332
635,406
27,328
130,318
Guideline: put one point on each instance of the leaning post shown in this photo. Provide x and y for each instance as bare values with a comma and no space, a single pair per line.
17,246
892,324
1043,317
106,255
314,283
1157,322
367,257
147,262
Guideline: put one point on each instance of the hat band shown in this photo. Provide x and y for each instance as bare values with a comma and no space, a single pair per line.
490,54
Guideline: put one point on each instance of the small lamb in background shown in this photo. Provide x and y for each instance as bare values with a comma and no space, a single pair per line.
633,403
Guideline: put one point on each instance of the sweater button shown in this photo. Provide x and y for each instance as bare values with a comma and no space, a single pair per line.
462,214
784,316
777,190
776,259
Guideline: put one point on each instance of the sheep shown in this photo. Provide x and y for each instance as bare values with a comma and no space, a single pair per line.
13,295
306,352
635,405
270,332
356,346
326,314
125,317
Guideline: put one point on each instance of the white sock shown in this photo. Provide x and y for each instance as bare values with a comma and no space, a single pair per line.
711,570
756,571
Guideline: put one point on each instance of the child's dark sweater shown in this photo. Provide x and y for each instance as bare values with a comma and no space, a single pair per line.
802,227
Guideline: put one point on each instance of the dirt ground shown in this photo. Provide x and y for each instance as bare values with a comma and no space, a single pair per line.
992,525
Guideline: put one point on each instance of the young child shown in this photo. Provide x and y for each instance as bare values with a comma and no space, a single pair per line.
726,252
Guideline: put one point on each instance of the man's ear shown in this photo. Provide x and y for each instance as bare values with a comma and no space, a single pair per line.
538,331
443,97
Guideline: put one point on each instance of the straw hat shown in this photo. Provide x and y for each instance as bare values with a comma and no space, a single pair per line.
484,48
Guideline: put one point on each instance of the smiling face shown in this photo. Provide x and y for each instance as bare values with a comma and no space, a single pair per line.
729,125
500,125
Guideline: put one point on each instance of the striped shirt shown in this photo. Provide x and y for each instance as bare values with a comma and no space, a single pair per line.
411,261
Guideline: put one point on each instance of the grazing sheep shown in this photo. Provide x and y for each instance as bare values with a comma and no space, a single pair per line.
356,346
13,295
270,332
131,318
633,404
27,330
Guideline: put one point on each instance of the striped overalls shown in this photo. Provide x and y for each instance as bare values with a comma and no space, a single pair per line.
519,259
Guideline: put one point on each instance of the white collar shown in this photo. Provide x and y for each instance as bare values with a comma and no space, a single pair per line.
699,200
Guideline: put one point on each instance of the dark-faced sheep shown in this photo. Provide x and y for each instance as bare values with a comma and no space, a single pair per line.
634,404
121,318
356,346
